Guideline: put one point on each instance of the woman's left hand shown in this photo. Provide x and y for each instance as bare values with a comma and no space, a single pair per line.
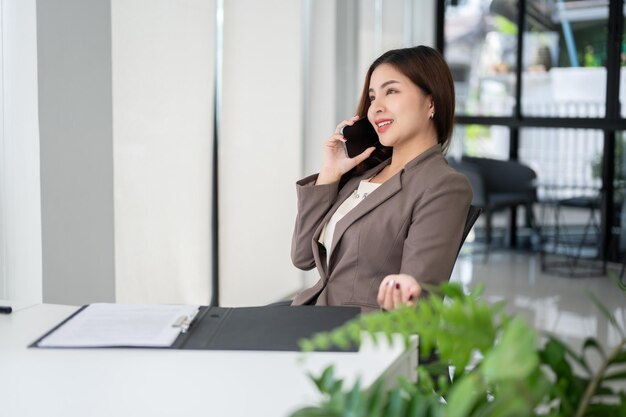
398,290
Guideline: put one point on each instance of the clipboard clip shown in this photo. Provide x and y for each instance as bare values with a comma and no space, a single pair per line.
185,321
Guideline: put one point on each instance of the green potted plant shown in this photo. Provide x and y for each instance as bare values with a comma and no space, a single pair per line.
489,364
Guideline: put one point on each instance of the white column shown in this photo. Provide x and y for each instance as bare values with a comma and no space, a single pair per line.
260,149
163,69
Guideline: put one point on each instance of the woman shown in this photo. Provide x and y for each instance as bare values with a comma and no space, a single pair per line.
377,230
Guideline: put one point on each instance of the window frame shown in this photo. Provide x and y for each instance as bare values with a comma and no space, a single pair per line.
609,124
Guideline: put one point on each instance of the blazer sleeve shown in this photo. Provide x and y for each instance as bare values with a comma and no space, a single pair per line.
433,239
314,201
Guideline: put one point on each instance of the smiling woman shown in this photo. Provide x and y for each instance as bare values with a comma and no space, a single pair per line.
379,225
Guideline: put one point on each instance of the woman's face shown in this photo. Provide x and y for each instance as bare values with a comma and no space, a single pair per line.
399,110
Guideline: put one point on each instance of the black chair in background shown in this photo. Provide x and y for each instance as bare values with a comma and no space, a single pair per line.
498,185
472,215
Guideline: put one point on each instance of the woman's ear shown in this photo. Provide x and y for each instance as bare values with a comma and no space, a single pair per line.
431,103
431,107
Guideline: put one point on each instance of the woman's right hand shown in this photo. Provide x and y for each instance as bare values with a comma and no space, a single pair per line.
336,162
398,290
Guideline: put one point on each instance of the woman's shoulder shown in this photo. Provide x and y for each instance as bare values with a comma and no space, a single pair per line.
436,173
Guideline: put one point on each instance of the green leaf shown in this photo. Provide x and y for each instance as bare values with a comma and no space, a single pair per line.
407,386
606,410
340,339
615,376
619,358
616,279
376,401
505,404
355,401
478,290
417,407
591,342
321,341
306,345
555,349
395,405
424,379
327,383
453,291
607,314
514,357
314,412
464,395
443,383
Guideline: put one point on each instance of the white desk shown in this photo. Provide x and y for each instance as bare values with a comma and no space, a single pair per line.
145,382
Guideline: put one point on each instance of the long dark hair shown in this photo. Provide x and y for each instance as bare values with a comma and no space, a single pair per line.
427,69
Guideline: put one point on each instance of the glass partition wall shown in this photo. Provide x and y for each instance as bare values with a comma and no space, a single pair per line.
541,82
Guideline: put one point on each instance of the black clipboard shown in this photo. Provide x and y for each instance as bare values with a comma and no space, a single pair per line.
268,328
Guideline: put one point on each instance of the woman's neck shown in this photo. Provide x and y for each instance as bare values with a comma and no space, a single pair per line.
402,155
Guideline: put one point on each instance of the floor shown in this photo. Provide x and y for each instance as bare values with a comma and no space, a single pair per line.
559,305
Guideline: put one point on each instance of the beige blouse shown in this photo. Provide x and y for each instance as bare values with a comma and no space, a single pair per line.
365,188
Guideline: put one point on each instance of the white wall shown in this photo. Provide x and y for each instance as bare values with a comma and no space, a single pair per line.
20,216
260,149
163,69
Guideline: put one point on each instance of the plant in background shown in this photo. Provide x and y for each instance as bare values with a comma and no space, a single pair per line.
496,368
475,138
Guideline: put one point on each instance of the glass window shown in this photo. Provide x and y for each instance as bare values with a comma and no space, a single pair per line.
564,58
568,162
481,50
480,140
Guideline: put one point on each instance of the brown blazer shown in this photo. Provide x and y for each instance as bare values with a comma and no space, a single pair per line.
411,224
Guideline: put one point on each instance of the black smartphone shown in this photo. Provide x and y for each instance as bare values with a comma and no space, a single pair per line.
360,136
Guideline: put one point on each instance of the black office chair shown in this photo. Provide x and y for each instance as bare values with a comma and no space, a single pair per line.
472,215
497,185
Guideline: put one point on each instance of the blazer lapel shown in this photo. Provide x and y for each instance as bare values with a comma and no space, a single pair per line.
344,193
318,249
386,190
